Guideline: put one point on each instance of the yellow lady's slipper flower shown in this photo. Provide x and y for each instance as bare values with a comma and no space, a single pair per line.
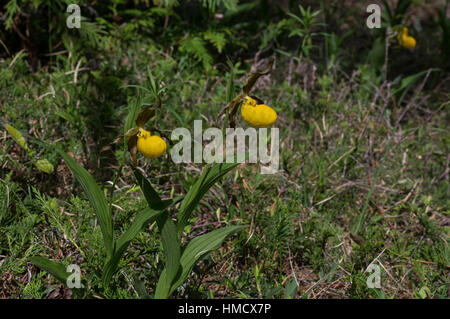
151,146
257,115
405,40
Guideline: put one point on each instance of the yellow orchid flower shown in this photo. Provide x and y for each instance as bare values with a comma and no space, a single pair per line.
405,40
257,115
150,146
141,140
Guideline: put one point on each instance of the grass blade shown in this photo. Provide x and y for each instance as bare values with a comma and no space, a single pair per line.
362,216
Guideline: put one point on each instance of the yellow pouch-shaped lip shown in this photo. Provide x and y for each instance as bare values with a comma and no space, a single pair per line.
257,115
408,42
150,146
405,40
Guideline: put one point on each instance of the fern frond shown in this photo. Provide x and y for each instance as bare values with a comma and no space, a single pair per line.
196,47
216,38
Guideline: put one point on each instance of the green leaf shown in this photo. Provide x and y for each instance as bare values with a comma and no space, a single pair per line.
152,197
133,113
402,7
297,32
388,10
169,238
171,246
297,18
153,85
142,218
198,248
96,198
56,269
291,289
408,81
424,292
209,177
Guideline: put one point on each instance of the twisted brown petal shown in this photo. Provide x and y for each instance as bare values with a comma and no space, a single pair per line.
255,76
147,113
132,148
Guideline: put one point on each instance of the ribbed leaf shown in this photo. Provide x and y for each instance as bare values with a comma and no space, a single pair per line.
56,269
388,10
209,177
152,197
171,246
408,81
142,218
96,198
133,112
169,238
198,248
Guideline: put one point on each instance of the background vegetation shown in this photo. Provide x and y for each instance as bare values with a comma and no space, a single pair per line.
365,144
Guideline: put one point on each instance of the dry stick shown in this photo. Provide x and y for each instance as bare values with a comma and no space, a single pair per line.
417,260
436,111
445,173
365,186
16,57
386,54
79,69
7,51
378,261
75,75
317,283
385,102
374,101
369,196
200,98
56,53
289,76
